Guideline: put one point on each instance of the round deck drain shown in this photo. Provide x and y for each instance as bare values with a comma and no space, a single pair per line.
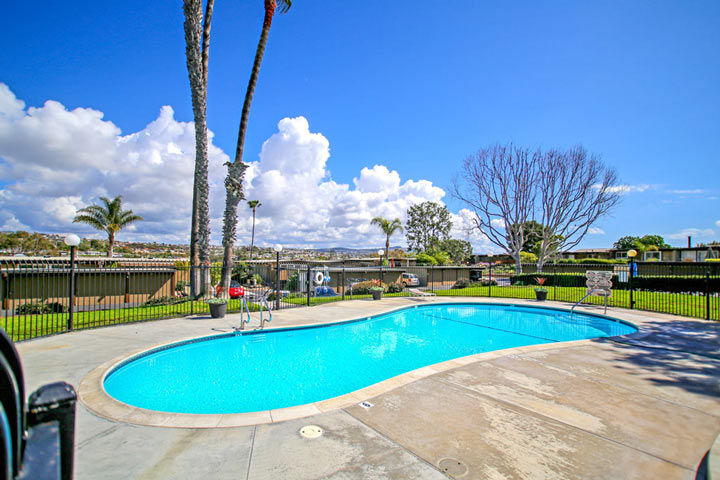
311,431
453,466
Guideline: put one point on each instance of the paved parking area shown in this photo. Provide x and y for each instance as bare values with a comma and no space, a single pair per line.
642,407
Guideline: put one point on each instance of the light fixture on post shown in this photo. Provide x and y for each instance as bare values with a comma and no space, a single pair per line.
380,254
632,267
277,248
71,241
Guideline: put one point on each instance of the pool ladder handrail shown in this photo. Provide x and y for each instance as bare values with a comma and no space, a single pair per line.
243,303
265,302
591,292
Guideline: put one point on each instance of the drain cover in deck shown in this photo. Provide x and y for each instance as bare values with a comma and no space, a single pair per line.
311,431
453,467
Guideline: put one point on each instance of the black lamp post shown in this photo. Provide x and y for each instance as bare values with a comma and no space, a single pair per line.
72,241
278,249
632,266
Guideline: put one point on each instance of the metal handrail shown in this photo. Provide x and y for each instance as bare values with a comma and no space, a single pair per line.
262,321
244,303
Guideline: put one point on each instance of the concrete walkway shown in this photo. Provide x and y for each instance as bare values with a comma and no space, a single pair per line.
648,407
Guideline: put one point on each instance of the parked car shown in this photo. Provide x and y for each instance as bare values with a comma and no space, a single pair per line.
235,290
410,280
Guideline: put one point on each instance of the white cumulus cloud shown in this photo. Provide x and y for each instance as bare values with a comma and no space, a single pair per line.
596,231
55,161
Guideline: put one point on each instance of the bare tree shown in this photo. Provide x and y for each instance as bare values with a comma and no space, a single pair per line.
499,184
510,189
197,51
574,190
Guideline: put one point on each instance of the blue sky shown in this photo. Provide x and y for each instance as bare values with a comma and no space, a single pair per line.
412,86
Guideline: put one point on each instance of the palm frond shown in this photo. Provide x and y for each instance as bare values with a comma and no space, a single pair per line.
284,5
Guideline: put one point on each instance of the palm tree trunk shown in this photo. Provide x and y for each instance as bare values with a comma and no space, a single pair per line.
236,169
197,65
252,239
387,248
111,242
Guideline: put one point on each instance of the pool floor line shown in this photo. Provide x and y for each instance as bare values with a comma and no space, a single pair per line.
490,328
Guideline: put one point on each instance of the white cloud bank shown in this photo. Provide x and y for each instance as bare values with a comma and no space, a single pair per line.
54,161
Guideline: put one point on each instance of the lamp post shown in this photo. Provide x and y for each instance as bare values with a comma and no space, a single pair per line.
278,249
632,266
380,254
72,241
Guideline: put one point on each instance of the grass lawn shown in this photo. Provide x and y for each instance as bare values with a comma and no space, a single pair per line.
23,327
674,303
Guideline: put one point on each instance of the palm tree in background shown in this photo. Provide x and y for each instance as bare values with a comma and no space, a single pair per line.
254,204
236,169
388,227
197,51
108,217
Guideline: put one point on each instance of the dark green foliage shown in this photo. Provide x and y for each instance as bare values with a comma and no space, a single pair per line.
428,224
460,251
292,283
394,288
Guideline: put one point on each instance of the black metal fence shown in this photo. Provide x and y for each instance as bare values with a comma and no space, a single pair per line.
42,297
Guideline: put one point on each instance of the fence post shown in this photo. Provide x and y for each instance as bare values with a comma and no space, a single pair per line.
277,280
432,277
630,285
343,281
308,285
707,294
193,289
71,305
490,280
554,282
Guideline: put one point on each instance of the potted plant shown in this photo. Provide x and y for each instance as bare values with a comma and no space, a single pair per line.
376,292
218,307
540,292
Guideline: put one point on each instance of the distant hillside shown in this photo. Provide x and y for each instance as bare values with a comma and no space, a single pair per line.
358,251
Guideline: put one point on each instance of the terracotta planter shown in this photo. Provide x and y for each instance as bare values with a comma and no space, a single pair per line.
217,310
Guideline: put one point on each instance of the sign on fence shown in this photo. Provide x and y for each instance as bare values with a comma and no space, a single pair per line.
599,283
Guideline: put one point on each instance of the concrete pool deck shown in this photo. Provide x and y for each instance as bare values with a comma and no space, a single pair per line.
643,408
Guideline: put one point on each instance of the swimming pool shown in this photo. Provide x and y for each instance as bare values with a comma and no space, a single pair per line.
265,370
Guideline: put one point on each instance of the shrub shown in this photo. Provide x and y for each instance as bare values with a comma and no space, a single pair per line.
155,302
365,288
56,307
31,309
394,288
486,282
425,259
180,285
461,283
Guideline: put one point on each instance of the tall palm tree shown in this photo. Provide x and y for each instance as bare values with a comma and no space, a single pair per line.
236,169
197,50
254,204
388,227
108,217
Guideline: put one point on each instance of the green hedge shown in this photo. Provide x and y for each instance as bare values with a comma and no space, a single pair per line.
659,283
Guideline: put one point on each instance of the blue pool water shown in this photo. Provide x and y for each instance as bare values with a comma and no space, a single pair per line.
283,368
